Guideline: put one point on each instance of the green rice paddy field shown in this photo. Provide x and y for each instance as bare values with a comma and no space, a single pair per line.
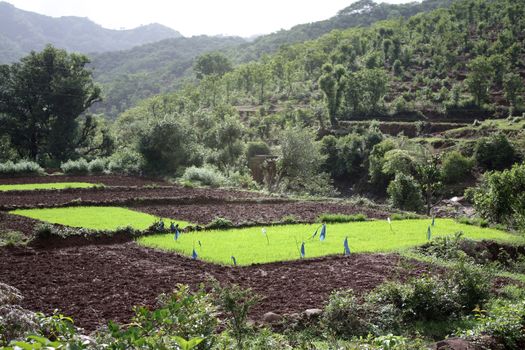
250,245
46,186
95,218
274,243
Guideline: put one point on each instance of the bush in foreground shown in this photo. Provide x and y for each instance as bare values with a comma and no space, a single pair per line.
23,167
75,167
405,193
204,176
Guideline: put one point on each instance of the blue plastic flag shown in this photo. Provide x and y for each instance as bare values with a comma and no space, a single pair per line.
177,234
194,255
433,220
302,250
429,234
347,248
322,235
172,227
234,261
161,225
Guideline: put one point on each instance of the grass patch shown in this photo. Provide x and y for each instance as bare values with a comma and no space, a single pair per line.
250,245
335,218
47,186
95,218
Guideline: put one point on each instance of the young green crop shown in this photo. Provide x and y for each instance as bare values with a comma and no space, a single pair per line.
46,186
250,245
96,218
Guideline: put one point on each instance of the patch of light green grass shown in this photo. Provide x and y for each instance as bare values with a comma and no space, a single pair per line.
249,245
95,218
46,186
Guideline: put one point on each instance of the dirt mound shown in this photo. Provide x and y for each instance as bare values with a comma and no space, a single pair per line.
250,212
108,180
94,284
118,196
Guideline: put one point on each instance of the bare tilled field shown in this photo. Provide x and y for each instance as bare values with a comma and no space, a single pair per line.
95,284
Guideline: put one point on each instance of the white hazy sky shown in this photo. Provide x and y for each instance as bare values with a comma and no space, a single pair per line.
194,17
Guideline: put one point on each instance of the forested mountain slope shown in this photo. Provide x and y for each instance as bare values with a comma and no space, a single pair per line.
23,31
134,74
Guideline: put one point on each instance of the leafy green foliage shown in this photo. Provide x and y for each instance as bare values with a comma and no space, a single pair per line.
331,218
75,167
20,168
12,238
500,197
299,165
455,167
204,176
169,146
236,302
495,152
504,320
59,88
345,315
405,193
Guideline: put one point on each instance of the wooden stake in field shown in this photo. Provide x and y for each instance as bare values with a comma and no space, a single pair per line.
390,224
429,233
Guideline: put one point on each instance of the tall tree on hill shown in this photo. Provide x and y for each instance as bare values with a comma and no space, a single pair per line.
479,79
332,84
41,100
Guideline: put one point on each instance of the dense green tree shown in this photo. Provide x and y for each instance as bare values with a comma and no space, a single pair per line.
513,88
168,146
405,193
495,152
332,84
41,100
500,197
479,79
212,64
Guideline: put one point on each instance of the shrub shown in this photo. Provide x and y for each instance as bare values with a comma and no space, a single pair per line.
256,148
500,197
23,167
421,299
345,316
97,166
505,321
219,224
168,146
242,180
289,219
15,322
206,176
472,285
181,314
125,161
334,218
75,167
12,238
235,302
495,152
405,193
455,167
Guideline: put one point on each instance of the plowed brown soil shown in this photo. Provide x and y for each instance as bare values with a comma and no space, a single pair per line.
94,284
249,212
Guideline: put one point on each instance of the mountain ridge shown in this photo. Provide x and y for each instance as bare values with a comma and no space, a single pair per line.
24,31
